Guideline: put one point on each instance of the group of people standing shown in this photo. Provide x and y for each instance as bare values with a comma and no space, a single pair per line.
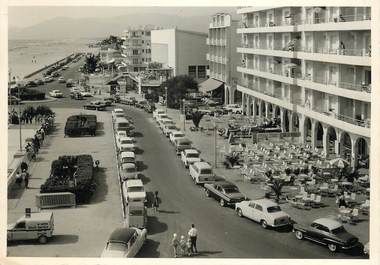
183,246
23,176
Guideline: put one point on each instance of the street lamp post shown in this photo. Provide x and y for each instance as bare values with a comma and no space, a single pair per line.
19,117
166,99
184,114
215,144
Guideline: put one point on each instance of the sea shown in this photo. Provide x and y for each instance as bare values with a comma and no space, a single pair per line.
27,56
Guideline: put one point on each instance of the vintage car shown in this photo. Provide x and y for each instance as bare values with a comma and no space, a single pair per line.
168,128
327,231
201,173
61,80
176,135
120,134
95,105
124,242
163,122
157,112
263,211
190,156
85,93
234,108
126,144
127,157
225,192
56,93
117,113
137,214
181,144
133,190
128,171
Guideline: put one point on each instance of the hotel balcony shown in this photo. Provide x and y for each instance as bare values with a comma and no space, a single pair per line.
343,89
339,56
208,57
216,41
345,123
208,41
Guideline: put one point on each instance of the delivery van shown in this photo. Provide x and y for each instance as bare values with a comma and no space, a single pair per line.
33,226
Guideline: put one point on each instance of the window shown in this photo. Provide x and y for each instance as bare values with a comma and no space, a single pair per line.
193,71
252,205
20,225
323,228
142,41
135,52
147,33
135,61
147,50
201,71
143,59
259,207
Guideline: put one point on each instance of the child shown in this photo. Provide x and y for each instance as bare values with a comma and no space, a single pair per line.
189,247
182,244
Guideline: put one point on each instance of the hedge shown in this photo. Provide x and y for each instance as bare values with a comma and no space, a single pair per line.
81,125
28,94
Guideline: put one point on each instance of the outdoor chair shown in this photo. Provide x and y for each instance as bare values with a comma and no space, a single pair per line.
334,191
354,217
364,207
317,202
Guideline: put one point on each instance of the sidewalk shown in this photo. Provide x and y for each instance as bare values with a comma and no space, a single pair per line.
81,231
204,141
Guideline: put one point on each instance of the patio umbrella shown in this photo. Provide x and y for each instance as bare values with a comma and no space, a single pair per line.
339,162
291,65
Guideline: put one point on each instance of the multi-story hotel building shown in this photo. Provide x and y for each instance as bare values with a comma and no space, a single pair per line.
222,56
311,67
137,48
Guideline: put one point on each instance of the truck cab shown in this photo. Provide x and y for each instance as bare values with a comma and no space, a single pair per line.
34,226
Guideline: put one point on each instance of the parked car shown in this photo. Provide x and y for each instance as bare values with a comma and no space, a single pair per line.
48,79
55,74
137,215
157,112
225,192
174,135
161,116
85,93
61,80
141,104
56,93
127,157
76,95
95,105
126,144
149,107
117,113
133,190
12,100
163,122
201,172
168,128
234,108
190,156
181,144
328,232
39,82
263,211
120,134
124,242
128,171
69,83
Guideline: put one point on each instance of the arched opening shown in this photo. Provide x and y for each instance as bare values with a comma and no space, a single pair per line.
227,95
270,110
345,146
237,97
263,108
307,131
331,141
277,112
256,105
363,153
295,122
286,120
319,135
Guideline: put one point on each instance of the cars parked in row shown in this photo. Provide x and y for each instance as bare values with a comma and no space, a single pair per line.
181,144
201,173
190,156
128,171
133,190
225,192
175,135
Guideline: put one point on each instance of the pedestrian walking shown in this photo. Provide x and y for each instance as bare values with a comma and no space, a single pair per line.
18,179
26,179
193,234
341,201
156,201
175,245
189,249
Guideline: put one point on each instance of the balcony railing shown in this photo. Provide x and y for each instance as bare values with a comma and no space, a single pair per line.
357,87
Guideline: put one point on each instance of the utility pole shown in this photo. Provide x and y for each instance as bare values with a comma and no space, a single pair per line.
19,116
215,145
166,99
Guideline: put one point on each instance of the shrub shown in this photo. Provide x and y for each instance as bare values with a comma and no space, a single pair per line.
28,94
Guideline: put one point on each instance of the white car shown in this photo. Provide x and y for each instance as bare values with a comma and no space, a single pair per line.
118,113
126,144
234,108
124,242
128,171
127,157
85,93
263,211
168,128
190,156
164,122
75,90
201,173
61,80
161,116
120,134
56,94
176,135
133,190
158,111
48,79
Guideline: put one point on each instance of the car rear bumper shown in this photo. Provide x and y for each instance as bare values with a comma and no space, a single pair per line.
346,247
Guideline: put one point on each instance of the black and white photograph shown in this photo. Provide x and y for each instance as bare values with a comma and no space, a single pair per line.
190,132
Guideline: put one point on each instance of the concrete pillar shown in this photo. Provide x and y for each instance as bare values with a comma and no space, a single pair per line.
337,142
282,115
354,150
290,121
242,101
267,110
232,95
254,100
226,97
325,139
302,129
260,109
249,109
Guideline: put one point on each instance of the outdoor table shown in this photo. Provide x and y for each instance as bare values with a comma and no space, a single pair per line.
334,180
345,211
299,197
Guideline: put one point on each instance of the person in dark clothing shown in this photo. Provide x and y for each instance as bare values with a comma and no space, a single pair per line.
26,179
156,202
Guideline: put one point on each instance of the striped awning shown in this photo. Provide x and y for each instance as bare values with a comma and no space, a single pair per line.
209,85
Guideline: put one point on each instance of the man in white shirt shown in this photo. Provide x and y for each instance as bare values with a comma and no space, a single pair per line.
193,233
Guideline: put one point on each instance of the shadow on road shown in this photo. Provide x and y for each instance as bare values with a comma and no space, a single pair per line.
101,183
99,133
55,240
142,166
149,249
144,179
138,134
155,226
139,151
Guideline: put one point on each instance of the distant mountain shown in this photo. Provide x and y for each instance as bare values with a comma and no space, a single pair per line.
62,27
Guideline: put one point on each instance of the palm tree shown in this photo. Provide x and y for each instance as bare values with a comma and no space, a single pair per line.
276,186
196,117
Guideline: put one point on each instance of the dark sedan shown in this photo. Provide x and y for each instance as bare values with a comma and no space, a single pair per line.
225,192
328,232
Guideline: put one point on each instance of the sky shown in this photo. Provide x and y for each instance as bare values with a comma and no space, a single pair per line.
28,16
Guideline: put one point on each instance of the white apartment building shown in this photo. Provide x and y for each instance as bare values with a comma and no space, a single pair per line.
311,67
137,48
222,56
181,50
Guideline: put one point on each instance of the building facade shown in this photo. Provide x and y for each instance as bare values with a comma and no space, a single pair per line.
183,51
137,48
222,56
311,67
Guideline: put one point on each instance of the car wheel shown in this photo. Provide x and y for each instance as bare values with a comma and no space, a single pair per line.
299,235
332,247
42,239
222,202
264,224
207,193
239,212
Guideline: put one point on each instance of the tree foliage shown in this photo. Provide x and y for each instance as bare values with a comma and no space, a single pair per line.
91,63
276,185
196,117
178,87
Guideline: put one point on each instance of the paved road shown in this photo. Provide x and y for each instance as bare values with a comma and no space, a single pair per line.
221,232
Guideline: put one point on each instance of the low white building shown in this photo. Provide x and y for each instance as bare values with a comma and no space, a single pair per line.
183,51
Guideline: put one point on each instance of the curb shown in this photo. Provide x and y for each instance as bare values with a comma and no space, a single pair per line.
49,99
